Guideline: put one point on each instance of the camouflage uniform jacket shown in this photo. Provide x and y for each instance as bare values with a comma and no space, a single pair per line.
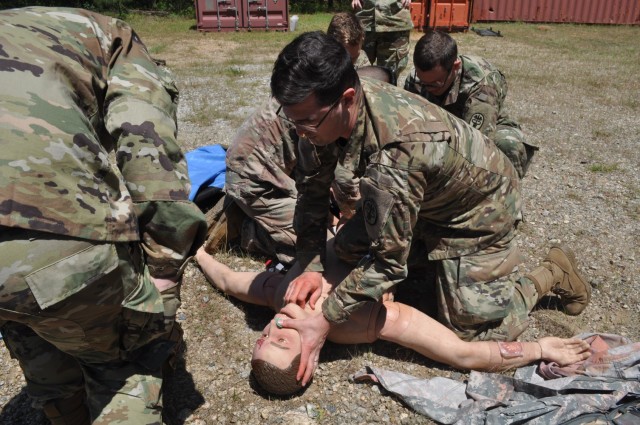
261,164
424,173
77,86
262,158
477,95
362,60
384,16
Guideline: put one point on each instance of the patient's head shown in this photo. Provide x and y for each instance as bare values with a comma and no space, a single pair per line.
276,358
346,28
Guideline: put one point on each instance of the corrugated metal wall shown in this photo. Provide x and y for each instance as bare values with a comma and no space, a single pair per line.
577,11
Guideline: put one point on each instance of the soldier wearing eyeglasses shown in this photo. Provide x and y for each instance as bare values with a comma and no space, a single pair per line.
470,88
261,177
433,191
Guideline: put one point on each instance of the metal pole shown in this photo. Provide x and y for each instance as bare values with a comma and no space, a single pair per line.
249,14
235,5
218,12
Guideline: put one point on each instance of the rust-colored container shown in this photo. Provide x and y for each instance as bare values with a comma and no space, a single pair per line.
575,11
449,15
242,15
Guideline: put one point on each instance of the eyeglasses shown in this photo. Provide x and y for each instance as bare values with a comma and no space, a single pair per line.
419,85
308,128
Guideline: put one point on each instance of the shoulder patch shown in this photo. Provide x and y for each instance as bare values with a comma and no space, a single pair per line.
370,212
477,120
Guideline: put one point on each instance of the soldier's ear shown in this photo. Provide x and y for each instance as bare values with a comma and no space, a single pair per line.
349,96
457,64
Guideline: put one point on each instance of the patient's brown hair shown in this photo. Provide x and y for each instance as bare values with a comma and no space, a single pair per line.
346,28
275,380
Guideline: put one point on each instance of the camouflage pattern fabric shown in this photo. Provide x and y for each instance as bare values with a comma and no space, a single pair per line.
363,60
388,49
478,296
387,25
261,179
427,178
84,87
489,398
384,16
83,315
83,230
477,95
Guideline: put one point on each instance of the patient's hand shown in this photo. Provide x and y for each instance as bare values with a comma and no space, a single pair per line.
564,351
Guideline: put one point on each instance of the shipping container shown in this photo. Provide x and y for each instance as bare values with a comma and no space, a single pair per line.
242,15
574,11
450,15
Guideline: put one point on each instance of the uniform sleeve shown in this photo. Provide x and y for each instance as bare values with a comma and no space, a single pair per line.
315,175
140,114
390,206
484,103
260,166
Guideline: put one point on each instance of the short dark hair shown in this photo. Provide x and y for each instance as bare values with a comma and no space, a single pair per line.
312,63
275,380
346,28
433,49
375,72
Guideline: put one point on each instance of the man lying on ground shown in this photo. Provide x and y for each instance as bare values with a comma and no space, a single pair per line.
276,355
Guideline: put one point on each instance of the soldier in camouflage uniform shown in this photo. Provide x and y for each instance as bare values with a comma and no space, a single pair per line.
260,179
470,88
387,24
95,223
432,188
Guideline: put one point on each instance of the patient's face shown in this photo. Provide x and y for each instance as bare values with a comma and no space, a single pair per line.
277,346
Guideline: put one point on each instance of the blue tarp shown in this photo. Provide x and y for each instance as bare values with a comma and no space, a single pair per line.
206,168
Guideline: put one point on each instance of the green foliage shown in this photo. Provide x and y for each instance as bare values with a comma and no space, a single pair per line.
177,7
317,6
120,7
603,168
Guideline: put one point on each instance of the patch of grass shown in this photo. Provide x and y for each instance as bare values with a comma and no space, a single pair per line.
599,133
603,168
158,49
165,25
234,71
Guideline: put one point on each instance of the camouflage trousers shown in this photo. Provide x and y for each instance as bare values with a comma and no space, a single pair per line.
84,317
478,296
511,141
388,49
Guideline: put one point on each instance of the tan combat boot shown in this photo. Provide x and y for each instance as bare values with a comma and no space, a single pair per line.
558,273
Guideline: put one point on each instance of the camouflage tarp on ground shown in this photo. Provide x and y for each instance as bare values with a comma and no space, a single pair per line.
489,398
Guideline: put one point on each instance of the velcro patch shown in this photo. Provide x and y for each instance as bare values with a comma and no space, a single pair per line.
477,120
376,205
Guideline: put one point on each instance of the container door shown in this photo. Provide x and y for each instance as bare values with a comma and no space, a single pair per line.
418,14
218,15
265,15
448,15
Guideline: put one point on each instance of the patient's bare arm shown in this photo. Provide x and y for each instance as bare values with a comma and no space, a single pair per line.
253,287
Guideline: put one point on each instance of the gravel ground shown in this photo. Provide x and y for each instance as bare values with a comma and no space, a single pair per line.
576,102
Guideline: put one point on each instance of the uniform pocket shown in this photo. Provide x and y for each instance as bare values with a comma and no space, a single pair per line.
143,314
60,280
